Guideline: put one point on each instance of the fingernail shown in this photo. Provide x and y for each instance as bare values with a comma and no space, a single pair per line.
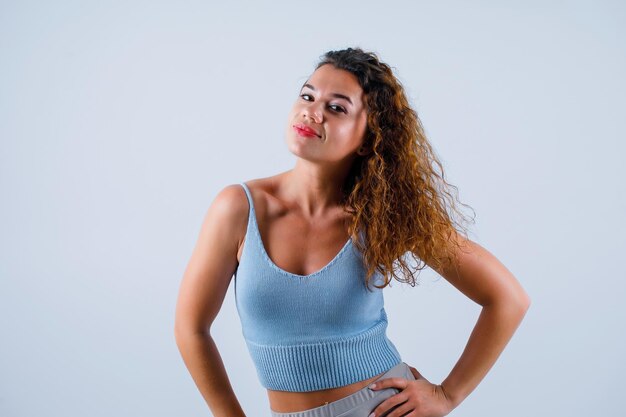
372,387
371,415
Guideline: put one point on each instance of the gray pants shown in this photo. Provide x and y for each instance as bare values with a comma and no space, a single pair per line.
359,404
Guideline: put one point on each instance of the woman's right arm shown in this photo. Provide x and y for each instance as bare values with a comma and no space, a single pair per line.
202,291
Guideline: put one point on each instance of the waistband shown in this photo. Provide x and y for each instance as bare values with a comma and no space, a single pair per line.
327,364
345,404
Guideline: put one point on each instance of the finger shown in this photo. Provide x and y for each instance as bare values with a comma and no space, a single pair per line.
396,382
416,373
412,413
390,404
402,410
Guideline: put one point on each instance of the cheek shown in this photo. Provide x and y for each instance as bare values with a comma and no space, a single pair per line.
359,127
349,135
358,131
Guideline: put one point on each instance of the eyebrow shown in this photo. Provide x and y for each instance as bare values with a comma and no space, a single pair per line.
338,95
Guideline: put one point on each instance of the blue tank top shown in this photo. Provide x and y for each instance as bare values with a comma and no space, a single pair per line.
310,332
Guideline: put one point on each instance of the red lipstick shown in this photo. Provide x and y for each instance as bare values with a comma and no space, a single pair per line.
304,130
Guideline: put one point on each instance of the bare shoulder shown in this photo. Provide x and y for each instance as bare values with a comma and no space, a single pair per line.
229,211
264,192
213,261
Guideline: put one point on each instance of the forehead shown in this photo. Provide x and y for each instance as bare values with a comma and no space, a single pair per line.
328,79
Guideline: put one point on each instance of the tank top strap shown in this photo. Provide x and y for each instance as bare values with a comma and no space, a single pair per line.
248,195
251,235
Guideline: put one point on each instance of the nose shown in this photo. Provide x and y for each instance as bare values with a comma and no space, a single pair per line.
312,113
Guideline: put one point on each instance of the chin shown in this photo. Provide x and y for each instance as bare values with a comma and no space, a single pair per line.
300,151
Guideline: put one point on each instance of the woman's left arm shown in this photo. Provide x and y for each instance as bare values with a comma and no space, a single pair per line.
484,279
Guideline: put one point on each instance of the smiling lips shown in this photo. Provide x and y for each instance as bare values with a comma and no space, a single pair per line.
304,130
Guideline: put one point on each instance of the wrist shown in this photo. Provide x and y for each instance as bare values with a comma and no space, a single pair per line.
453,400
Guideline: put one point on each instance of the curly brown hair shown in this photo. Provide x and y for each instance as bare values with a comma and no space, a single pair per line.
399,202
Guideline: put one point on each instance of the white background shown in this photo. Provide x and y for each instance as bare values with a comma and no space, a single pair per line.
121,121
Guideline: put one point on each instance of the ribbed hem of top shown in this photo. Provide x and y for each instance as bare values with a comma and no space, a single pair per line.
326,364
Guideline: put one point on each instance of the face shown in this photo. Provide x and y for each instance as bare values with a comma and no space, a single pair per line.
331,104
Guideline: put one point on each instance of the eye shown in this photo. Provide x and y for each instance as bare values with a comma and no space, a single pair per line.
336,108
340,109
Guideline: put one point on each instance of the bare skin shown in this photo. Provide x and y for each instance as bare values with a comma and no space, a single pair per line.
305,199
302,228
480,276
318,240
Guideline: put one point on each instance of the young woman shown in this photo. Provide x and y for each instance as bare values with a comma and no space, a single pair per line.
312,248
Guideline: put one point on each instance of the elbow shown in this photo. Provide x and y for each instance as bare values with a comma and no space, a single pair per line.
179,329
516,303
183,332
178,335
520,305
523,300
527,303
178,332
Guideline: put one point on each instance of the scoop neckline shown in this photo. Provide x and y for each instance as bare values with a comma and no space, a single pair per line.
267,256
